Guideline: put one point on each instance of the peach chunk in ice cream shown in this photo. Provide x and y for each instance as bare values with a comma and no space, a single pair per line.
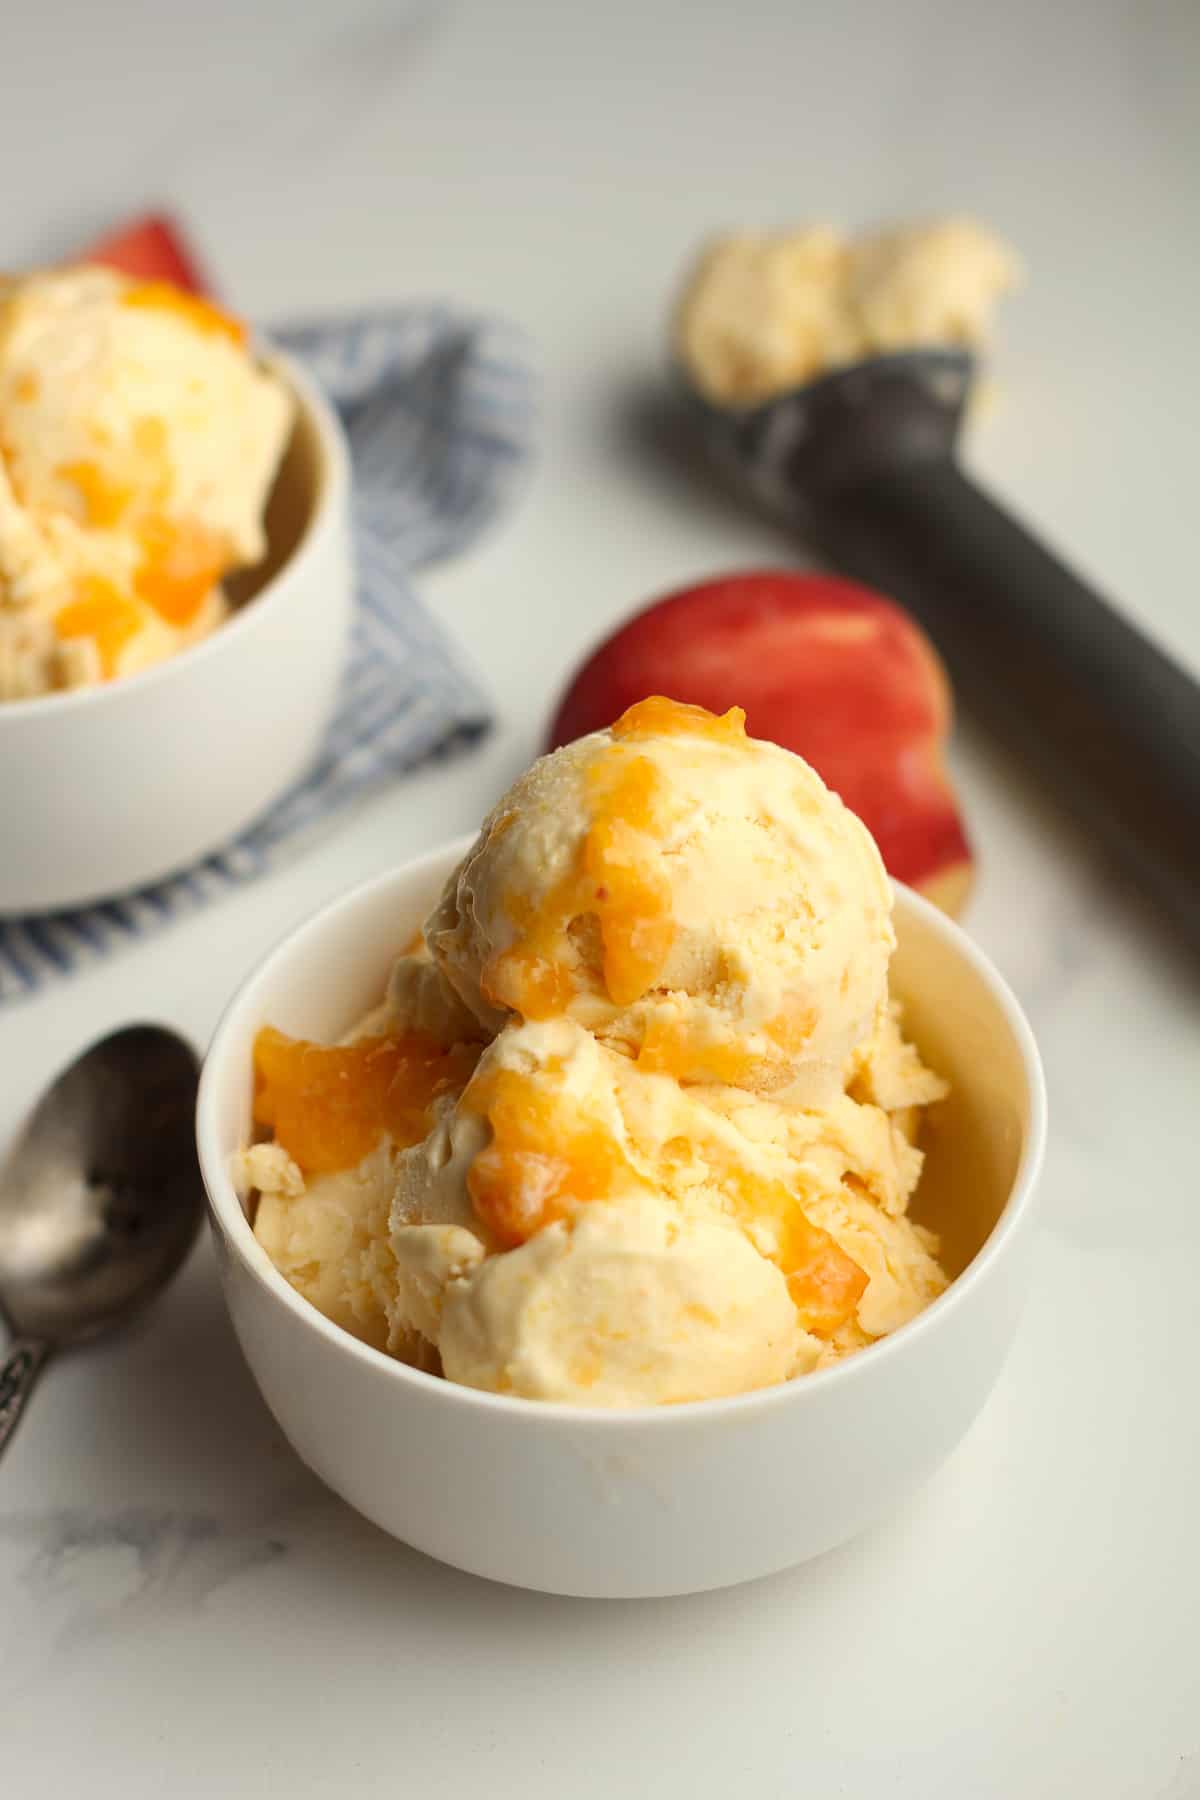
330,1104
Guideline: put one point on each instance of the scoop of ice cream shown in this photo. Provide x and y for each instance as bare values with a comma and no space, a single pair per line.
696,898
138,443
763,313
629,1306
535,1230
533,1248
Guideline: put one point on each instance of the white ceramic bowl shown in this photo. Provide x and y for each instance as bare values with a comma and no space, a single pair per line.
105,789
668,1501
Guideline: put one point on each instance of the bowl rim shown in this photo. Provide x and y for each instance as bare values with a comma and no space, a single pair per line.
328,508
227,1214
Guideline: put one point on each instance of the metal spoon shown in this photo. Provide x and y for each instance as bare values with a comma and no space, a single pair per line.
863,461
99,1200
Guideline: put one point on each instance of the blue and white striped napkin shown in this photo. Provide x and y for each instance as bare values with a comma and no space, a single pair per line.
440,410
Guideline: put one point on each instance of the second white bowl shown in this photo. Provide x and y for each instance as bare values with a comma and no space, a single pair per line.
107,789
656,1501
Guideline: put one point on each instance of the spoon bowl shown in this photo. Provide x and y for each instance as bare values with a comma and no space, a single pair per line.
100,1198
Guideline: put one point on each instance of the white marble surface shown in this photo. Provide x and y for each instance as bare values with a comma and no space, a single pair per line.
182,1608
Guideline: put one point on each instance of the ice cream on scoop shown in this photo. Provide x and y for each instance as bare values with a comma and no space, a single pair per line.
139,438
696,897
762,313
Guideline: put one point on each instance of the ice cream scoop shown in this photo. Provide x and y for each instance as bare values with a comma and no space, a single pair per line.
863,462
693,895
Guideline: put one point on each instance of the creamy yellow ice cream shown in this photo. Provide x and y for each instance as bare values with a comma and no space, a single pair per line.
557,1214
630,1306
565,1174
693,896
762,313
624,1298
328,1234
139,439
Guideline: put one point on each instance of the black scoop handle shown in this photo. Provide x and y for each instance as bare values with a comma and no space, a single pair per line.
1112,720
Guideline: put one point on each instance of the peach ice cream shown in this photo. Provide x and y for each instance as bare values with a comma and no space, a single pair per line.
765,312
695,897
139,439
574,1155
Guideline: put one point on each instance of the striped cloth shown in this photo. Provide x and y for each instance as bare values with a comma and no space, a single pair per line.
440,411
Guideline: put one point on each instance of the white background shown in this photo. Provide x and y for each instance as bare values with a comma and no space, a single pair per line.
182,1608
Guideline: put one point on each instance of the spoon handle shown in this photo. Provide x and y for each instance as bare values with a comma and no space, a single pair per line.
1111,720
18,1372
